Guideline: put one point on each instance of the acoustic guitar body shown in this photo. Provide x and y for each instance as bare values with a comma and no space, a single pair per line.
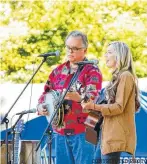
93,124
94,120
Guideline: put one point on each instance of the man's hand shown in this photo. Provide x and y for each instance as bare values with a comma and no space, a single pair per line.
42,110
74,96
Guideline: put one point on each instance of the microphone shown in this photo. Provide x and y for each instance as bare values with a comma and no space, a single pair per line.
56,53
27,111
94,62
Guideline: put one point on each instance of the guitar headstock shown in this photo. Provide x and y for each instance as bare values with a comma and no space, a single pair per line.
19,126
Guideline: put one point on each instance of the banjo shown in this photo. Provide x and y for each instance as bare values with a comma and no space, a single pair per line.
50,103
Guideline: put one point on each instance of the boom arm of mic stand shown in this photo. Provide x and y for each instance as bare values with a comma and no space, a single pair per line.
5,119
59,105
12,129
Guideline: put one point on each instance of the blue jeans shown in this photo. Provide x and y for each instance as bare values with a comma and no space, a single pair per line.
73,149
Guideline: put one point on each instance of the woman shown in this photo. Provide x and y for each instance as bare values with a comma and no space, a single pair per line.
118,132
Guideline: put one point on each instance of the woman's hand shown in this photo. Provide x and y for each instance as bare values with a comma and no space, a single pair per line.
74,96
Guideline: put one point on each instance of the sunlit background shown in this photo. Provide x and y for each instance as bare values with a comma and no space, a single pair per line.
29,28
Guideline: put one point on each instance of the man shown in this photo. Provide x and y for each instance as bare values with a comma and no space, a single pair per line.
70,144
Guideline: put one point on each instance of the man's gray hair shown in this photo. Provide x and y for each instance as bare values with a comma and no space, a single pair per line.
79,34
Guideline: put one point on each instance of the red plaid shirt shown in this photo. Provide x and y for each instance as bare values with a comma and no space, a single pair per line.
89,82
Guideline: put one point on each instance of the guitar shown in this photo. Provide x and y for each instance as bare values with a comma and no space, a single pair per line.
94,120
17,143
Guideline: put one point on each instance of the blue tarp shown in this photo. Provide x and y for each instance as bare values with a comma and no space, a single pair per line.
34,129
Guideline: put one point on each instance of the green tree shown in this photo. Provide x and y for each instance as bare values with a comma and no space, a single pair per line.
46,24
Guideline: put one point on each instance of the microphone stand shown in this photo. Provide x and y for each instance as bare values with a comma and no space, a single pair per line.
13,132
47,130
5,119
50,145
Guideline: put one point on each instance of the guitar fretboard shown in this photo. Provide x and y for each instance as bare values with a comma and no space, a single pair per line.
17,148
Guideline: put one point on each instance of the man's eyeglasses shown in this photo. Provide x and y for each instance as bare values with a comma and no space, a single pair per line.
73,49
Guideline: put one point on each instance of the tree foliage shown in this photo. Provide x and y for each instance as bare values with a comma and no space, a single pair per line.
45,25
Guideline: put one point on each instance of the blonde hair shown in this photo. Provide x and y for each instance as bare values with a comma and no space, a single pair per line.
124,63
123,56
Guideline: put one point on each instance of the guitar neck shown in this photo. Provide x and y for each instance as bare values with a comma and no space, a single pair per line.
16,149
